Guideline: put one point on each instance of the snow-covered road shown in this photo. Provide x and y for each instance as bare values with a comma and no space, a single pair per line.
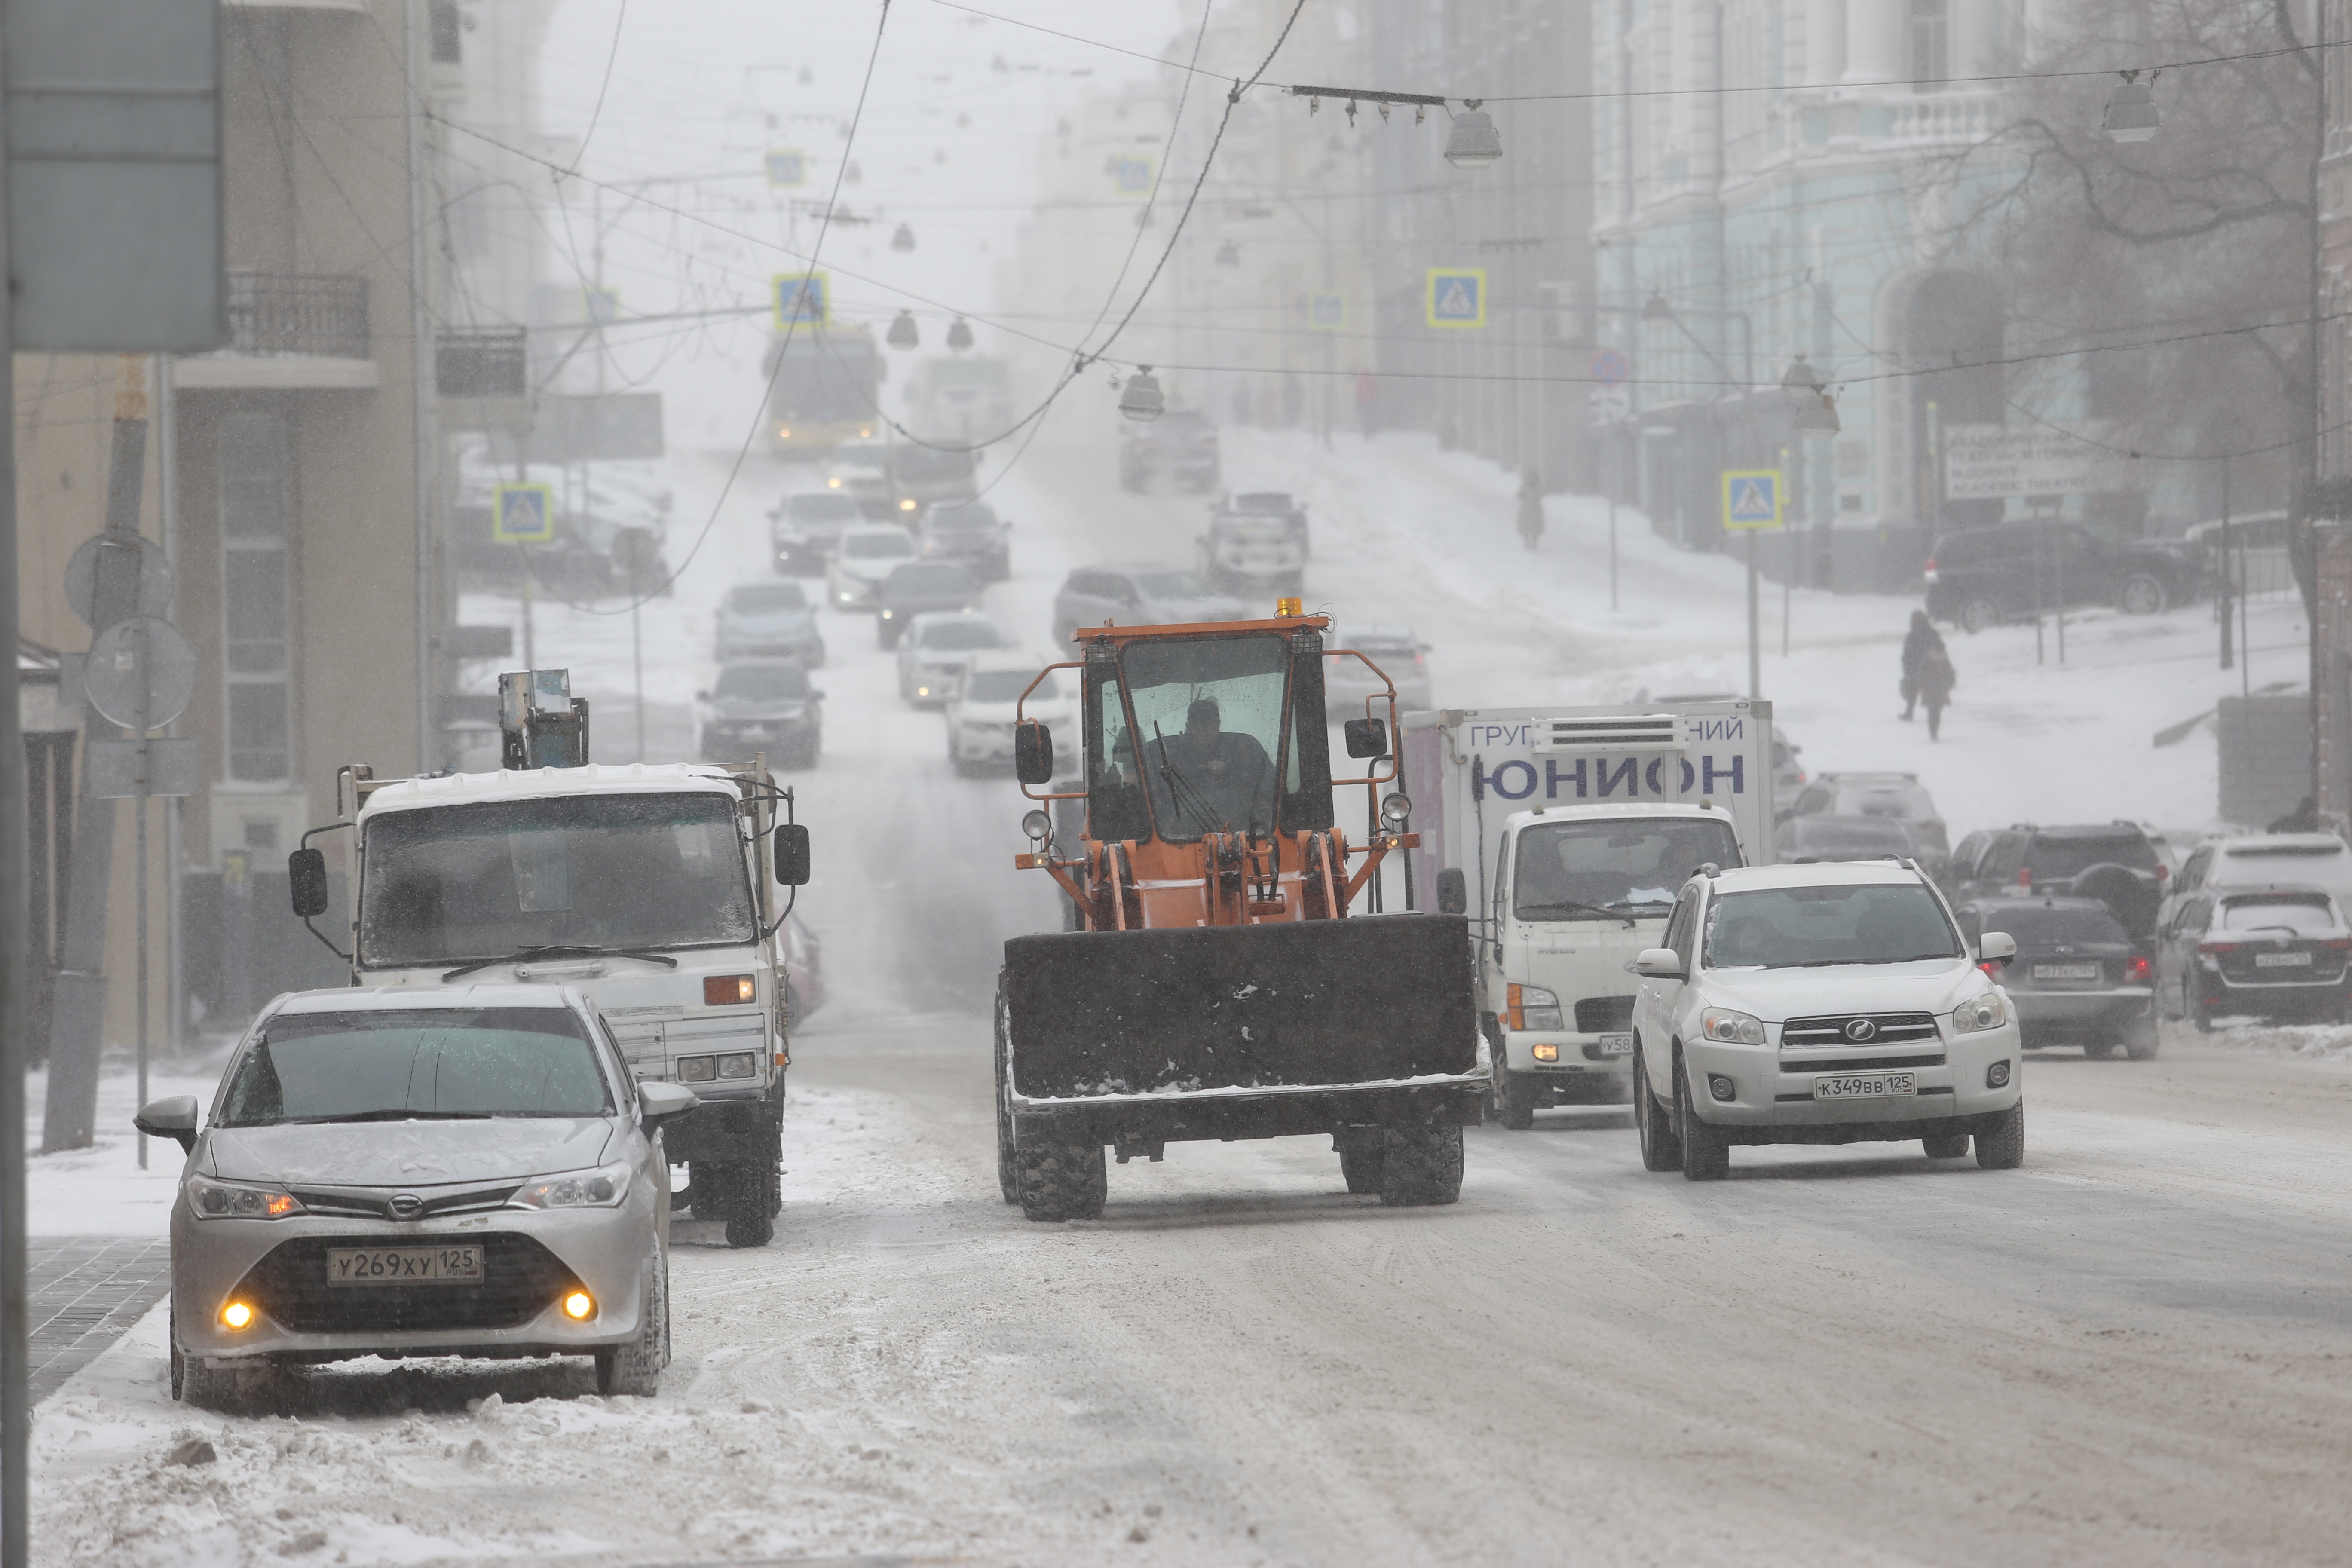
2136,1350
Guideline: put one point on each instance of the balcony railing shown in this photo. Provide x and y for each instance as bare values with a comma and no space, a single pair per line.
280,314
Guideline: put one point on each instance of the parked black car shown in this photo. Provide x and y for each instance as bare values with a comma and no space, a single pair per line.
2277,954
1180,444
2112,862
2014,570
2078,978
972,536
916,587
805,528
763,705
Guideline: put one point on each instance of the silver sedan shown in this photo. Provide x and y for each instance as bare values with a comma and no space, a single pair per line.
469,1171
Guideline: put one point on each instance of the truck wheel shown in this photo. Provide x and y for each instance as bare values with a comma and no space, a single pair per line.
1706,1153
1363,1155
1950,1146
2140,1040
1514,1099
749,1221
2000,1138
636,1367
2199,1015
1421,1167
2143,593
1661,1150
1060,1180
2098,1050
1008,1177
1977,614
705,1189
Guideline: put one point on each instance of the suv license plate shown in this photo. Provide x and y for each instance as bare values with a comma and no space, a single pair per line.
2066,972
1865,1084
2281,960
404,1264
1616,1046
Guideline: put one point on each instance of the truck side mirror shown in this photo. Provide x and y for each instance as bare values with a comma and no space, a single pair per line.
174,1117
792,854
1453,892
1367,737
306,878
1032,752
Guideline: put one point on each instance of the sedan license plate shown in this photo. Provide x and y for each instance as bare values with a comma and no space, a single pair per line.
2066,972
2281,960
1616,1045
404,1264
1865,1084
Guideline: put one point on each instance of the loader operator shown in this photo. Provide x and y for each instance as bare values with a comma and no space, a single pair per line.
1214,781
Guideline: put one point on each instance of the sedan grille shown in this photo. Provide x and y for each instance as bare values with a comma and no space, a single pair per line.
520,1280
1848,1029
1604,1015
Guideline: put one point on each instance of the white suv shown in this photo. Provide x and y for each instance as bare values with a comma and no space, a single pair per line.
1822,1004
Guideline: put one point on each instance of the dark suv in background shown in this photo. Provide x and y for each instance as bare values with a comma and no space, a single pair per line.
2112,862
2013,571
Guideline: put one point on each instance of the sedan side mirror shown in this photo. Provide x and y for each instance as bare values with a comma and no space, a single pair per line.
1367,737
1659,964
792,854
306,878
1996,947
702,697
172,1116
1032,752
663,1102
1453,892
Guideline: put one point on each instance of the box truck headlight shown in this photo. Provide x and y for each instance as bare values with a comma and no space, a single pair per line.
1533,1007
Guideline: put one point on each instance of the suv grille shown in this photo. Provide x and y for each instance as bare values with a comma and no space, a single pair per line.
519,1279
1886,1029
1604,1015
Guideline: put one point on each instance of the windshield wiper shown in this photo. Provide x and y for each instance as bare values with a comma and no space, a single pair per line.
396,1115
1186,799
1825,962
1606,914
560,950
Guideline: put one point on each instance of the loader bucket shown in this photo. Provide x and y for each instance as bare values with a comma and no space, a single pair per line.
1349,1000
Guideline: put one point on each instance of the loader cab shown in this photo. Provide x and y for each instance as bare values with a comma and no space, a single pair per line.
1214,732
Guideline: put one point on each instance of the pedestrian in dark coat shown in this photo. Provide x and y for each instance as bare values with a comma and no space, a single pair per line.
1937,679
1922,639
1531,508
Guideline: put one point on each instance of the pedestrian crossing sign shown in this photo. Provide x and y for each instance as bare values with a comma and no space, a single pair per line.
522,514
1456,297
788,169
1752,500
803,297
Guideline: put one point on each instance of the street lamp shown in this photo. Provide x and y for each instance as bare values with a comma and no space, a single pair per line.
904,239
1141,398
2131,113
958,336
1229,255
1655,308
1816,409
902,333
1473,143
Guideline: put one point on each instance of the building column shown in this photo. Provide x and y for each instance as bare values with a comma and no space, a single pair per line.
1875,40
1976,37
1825,42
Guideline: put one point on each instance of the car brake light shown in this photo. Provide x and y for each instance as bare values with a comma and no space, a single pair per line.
2217,947
2025,875
2338,943
1990,967
2162,870
2138,967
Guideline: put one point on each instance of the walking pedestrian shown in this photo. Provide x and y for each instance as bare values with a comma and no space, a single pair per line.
1921,640
1531,511
1367,402
1937,679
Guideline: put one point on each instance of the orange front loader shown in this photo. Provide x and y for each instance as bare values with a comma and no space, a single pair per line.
1218,986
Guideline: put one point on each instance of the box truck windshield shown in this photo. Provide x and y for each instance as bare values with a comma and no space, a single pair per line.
1612,869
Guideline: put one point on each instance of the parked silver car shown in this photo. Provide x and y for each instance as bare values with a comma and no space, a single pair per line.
462,1172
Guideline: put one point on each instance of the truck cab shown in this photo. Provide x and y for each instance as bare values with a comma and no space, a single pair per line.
1576,893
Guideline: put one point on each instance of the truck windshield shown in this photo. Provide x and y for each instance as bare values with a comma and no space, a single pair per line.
447,884
439,1062
1601,870
1790,928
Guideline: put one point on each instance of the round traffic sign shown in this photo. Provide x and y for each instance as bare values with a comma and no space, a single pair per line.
1609,367
140,672
111,575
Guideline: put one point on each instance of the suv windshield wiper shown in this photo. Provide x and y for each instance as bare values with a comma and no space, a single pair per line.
1825,962
1528,910
560,951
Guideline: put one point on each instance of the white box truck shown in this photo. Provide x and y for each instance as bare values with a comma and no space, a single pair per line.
1565,834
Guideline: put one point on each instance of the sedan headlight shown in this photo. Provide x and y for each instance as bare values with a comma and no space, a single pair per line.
604,1187
228,1200
1731,1028
1986,1011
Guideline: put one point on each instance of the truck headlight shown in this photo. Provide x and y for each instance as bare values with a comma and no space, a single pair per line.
1978,1014
1723,1025
607,1186
741,1064
1534,1007
230,1200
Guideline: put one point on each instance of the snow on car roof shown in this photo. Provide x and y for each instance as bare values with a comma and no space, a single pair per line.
529,784
1630,808
412,998
1815,874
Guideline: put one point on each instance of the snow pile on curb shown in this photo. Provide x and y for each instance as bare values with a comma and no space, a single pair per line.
2329,1043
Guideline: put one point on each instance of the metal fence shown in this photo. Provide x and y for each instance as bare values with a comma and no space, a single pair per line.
280,313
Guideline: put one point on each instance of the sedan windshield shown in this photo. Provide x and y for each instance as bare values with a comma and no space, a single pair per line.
827,506
422,1063
959,637
766,598
920,579
1006,684
1782,928
1171,585
876,546
761,683
483,881
1595,870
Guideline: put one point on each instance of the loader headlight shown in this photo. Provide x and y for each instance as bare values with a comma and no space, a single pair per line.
1038,826
1721,1023
1979,1014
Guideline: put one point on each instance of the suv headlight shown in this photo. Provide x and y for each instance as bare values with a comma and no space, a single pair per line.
229,1200
1979,1013
1731,1028
604,1187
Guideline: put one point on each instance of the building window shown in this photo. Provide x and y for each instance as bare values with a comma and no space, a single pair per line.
1931,46
445,28
256,597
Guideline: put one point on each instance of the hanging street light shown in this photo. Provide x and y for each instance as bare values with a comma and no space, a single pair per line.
902,333
1229,255
1816,409
1141,398
904,239
2131,113
1474,142
1655,308
958,336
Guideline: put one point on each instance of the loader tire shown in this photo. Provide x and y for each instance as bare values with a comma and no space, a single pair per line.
1420,1166
1513,1097
1363,1155
1061,1181
1008,1174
